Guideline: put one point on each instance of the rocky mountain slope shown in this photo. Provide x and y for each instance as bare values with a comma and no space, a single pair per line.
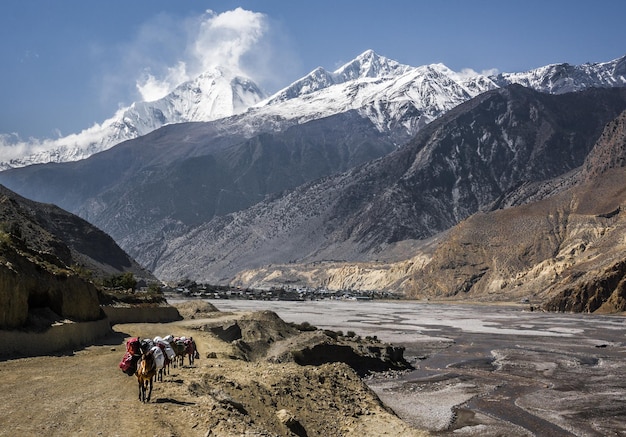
562,253
144,193
461,163
47,258
565,251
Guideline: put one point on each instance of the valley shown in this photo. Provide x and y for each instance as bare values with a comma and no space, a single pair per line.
478,370
355,178
376,249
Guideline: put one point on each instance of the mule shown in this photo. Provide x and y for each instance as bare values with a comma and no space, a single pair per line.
190,350
146,370
168,354
179,348
165,370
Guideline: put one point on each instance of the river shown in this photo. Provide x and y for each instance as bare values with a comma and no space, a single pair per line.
485,369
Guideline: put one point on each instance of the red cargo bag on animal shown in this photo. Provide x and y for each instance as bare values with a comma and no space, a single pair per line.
131,357
129,363
133,346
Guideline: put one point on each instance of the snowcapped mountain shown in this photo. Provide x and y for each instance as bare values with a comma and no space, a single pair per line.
565,78
395,97
213,95
399,100
366,65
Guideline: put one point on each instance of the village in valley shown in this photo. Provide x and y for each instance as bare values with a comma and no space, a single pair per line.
190,289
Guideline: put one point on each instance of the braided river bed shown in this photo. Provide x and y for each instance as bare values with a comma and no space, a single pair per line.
485,370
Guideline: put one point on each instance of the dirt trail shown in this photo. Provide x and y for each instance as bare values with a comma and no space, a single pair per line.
87,394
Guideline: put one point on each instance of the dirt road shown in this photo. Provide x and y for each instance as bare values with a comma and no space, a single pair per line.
85,393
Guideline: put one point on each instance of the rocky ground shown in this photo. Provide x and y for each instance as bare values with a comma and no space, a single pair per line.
245,383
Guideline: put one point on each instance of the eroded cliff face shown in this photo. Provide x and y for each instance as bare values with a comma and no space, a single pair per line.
39,283
393,277
602,291
29,291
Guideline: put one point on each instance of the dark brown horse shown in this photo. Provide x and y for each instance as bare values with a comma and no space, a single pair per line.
146,370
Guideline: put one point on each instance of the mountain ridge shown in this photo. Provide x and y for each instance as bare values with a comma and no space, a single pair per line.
561,253
392,95
210,96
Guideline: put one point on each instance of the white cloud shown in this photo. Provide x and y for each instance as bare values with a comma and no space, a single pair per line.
224,39
238,41
152,88
12,146
167,51
468,72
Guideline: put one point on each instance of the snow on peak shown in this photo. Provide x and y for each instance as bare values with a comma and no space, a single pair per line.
564,77
370,64
314,81
366,65
394,96
210,96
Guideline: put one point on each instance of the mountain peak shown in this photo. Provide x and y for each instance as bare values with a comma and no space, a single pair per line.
370,64
367,65
214,94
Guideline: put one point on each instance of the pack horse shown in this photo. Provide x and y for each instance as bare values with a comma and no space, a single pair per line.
148,359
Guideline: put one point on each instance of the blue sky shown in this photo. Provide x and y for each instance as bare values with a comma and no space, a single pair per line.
67,64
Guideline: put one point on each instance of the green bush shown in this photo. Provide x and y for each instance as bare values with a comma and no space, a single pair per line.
125,280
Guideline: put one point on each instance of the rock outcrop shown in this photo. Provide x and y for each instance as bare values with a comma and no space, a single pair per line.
48,258
263,335
29,285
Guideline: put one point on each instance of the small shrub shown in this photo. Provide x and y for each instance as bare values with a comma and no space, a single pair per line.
304,326
5,239
154,288
82,271
125,280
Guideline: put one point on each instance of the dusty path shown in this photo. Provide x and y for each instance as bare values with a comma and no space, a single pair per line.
85,393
